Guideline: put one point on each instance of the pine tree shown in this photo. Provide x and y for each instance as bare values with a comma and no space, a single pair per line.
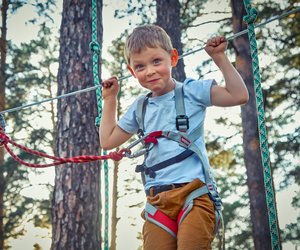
18,78
76,199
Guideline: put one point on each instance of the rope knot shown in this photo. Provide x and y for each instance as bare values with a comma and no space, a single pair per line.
95,47
251,16
117,156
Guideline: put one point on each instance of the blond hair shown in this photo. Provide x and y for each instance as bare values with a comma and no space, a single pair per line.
151,36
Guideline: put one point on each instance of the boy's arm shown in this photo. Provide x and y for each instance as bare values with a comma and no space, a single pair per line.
111,135
235,91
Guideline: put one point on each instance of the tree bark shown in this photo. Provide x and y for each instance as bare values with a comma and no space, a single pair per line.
168,17
76,198
252,153
3,50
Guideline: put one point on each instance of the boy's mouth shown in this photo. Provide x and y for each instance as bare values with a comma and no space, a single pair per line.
153,80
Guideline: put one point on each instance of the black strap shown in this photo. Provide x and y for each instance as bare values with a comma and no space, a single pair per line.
158,189
151,170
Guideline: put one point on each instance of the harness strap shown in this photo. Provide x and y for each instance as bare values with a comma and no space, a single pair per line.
179,102
151,170
188,205
140,110
185,142
160,219
182,121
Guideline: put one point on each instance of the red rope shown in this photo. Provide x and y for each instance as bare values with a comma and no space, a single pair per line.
5,141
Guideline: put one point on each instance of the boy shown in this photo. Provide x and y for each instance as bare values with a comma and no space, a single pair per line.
150,58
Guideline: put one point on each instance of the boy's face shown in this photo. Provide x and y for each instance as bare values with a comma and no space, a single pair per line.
152,67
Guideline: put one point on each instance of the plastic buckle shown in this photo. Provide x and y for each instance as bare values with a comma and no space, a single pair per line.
140,168
182,123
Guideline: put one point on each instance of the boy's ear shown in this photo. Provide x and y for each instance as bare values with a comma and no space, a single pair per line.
131,71
174,57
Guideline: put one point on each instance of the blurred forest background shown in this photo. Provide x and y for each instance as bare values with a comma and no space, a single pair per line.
45,52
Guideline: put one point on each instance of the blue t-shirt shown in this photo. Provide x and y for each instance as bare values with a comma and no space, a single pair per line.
161,115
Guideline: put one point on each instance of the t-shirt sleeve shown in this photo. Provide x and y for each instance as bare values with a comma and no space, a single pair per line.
199,90
128,122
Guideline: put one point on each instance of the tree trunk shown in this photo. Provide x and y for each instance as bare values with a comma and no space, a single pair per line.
76,199
3,49
168,17
252,153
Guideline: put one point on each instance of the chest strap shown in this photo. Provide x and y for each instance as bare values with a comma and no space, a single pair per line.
151,170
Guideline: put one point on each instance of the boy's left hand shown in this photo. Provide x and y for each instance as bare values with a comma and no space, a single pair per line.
216,46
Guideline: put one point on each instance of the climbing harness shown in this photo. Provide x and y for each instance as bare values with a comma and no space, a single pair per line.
160,219
186,140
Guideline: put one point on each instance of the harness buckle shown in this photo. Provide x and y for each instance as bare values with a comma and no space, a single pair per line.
140,168
182,123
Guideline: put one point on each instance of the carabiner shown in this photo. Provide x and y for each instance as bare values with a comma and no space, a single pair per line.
141,152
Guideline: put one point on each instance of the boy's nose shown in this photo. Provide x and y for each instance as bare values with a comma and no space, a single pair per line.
150,71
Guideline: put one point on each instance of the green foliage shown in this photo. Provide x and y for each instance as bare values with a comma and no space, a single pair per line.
144,11
44,8
292,232
42,218
37,247
28,77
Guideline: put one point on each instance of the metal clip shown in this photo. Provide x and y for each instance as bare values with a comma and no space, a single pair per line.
138,153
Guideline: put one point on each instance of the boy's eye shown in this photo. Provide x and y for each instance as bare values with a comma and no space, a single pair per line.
139,67
156,61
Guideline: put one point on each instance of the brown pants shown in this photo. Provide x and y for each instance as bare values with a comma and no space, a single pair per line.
195,232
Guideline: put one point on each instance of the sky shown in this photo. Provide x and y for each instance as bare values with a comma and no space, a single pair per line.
128,229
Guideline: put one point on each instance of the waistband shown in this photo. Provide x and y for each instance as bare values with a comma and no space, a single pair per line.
152,191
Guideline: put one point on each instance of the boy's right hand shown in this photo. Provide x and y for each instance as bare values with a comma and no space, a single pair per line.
110,88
